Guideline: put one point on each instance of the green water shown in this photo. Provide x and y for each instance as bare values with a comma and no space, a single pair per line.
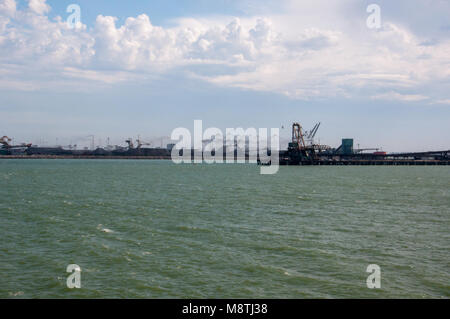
153,229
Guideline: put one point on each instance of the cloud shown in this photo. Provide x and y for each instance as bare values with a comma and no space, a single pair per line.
7,11
39,6
136,44
447,101
311,51
8,7
395,96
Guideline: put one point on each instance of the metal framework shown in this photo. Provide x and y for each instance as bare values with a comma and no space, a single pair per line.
297,136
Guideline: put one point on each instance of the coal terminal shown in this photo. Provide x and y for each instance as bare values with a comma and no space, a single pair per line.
302,150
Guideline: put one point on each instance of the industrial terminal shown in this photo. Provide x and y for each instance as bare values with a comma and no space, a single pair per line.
301,150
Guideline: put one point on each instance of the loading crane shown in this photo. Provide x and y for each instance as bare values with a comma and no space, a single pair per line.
298,140
302,147
5,141
309,135
130,143
141,143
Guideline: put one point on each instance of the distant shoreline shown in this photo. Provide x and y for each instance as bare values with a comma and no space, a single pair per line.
344,162
82,157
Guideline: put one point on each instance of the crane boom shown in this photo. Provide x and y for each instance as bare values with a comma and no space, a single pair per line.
314,131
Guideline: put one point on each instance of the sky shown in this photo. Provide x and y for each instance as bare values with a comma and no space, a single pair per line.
143,68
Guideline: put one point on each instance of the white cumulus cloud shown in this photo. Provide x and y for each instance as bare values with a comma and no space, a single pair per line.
39,6
318,55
